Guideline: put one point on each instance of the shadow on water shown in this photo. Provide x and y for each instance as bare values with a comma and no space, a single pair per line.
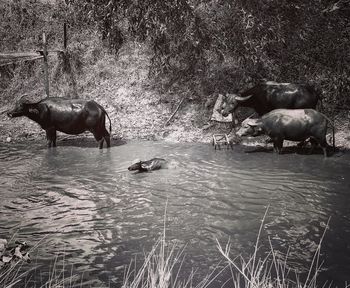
88,142
297,150
73,141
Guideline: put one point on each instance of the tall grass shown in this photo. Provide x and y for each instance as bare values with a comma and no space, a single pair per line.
16,274
11,275
162,266
270,271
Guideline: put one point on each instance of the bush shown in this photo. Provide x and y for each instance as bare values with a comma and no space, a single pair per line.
288,41
208,46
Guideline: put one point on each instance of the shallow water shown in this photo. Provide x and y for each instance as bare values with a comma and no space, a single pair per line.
84,204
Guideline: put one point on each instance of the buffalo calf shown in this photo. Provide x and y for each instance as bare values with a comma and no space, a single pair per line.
149,165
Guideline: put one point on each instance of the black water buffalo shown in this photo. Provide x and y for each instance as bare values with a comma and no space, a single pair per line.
267,96
66,115
149,165
289,124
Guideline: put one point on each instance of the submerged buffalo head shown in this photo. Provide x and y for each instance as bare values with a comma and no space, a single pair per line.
135,166
250,127
231,102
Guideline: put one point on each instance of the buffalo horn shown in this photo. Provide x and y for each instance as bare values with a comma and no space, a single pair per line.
253,122
239,98
23,97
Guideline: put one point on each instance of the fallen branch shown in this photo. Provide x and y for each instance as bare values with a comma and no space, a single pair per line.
10,58
177,108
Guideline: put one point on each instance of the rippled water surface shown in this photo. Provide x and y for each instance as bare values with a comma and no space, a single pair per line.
84,204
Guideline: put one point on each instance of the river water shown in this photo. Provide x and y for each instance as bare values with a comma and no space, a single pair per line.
84,204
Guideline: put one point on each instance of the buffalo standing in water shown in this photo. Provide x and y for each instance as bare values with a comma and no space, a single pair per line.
71,116
289,124
267,96
149,165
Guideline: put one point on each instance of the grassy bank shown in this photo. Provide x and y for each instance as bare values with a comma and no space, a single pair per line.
136,105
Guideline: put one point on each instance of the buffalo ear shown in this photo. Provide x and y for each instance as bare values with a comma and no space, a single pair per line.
260,129
230,98
33,110
144,166
23,98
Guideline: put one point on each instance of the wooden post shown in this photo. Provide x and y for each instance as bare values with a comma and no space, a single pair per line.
65,36
67,64
46,72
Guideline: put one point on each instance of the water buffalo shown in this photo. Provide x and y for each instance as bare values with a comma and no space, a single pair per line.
71,116
289,124
267,96
149,165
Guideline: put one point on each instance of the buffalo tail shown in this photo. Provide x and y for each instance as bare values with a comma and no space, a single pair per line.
110,123
333,134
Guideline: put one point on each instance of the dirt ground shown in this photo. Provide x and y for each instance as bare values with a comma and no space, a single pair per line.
23,130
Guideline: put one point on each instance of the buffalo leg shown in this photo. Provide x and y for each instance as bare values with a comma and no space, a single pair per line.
99,138
101,134
51,137
313,145
100,143
107,137
108,140
277,145
324,145
325,153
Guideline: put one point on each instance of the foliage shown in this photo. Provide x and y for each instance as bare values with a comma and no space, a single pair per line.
175,32
216,45
26,20
206,46
23,20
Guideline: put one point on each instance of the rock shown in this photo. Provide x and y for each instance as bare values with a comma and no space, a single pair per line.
6,258
217,116
3,244
13,252
8,139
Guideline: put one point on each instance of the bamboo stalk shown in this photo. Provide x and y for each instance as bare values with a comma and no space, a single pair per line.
46,73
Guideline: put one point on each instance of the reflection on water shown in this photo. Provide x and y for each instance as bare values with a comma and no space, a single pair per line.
83,202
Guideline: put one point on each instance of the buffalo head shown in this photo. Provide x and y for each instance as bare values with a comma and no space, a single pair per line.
231,102
21,109
250,127
135,166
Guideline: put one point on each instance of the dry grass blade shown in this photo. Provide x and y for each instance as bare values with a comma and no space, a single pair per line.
162,266
270,271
